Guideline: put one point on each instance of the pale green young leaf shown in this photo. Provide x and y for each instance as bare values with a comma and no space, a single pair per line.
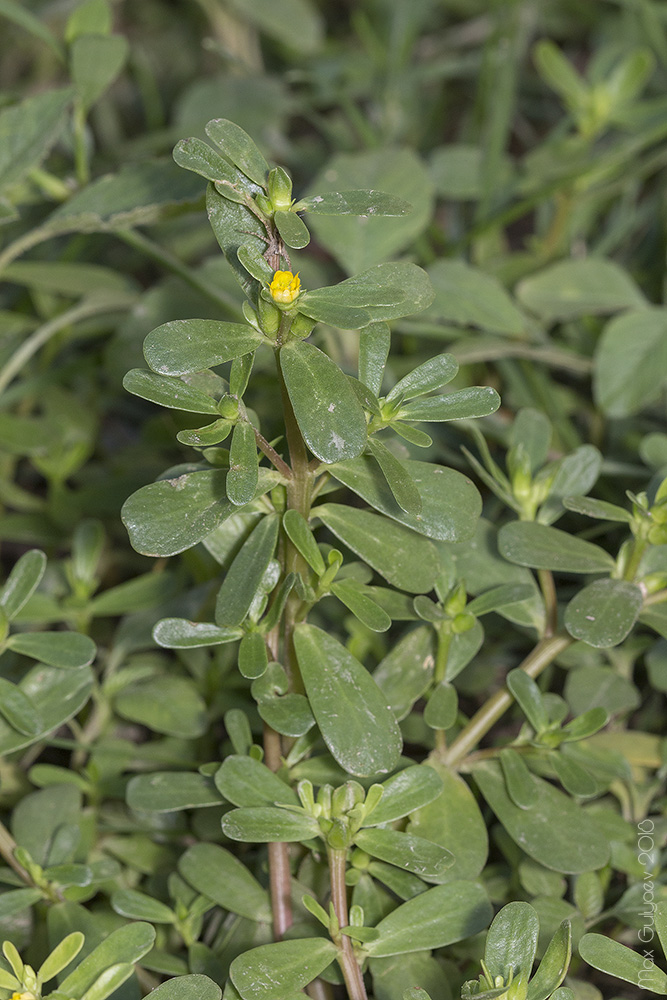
361,605
511,942
406,851
519,781
398,478
139,906
126,944
292,229
168,391
302,537
246,782
374,344
365,203
615,959
179,633
23,580
264,824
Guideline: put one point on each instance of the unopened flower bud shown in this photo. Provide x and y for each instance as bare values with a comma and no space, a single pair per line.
280,189
285,287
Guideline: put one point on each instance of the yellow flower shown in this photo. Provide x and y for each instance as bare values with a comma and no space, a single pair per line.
285,287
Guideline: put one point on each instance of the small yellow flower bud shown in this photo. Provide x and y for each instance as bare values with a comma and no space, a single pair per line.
285,287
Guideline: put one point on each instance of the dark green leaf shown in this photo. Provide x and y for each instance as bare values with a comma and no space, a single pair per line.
573,777
196,155
542,547
191,345
23,580
18,709
511,942
499,597
327,410
244,781
139,906
385,291
179,633
366,203
263,824
374,343
168,391
405,672
438,917
278,971
604,612
235,226
302,537
476,401
246,572
171,791
253,656
526,692
414,854
600,509
292,229
451,504
616,959
171,515
410,789
405,559
243,474
429,377
220,876
57,696
399,480
538,830
351,711
164,704
125,945
554,965
67,650
188,988
239,148
519,781
442,706
361,606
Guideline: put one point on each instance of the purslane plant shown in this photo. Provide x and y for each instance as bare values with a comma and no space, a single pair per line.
327,722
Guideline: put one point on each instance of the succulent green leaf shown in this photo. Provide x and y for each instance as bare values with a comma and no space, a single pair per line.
554,965
217,874
467,296
302,537
399,480
244,781
362,607
538,830
499,597
23,580
264,824
616,959
511,942
171,791
630,365
18,709
519,781
543,547
404,559
403,793
604,613
327,410
577,473
429,377
405,673
243,474
451,504
239,148
475,401
253,655
140,906
196,155
13,902
67,650
255,263
168,391
442,706
358,727
280,970
196,987
234,226
109,981
385,291
365,203
191,345
246,572
573,777
438,917
125,945
292,229
166,517
413,854
165,704
57,696
526,692
374,343
600,509
179,633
